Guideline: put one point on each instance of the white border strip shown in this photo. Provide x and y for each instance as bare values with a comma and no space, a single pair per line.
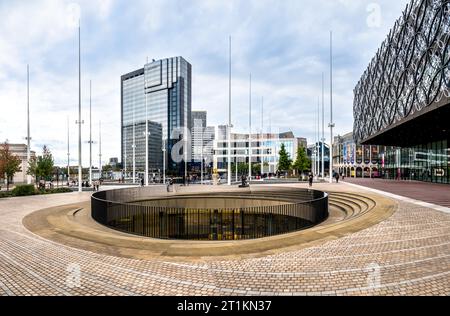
404,199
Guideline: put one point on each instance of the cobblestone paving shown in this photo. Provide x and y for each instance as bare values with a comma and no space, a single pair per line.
408,254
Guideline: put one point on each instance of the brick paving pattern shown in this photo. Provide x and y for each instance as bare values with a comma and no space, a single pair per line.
408,254
434,193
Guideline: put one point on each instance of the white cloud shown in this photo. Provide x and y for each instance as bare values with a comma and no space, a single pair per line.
283,43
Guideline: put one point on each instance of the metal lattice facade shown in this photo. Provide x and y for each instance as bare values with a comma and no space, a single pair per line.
411,70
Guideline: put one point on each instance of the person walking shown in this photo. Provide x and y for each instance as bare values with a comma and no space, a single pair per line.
142,182
311,179
337,177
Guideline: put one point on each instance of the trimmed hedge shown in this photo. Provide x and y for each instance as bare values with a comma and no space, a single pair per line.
5,194
57,190
24,190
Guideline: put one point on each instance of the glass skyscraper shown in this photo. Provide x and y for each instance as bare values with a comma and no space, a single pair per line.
161,93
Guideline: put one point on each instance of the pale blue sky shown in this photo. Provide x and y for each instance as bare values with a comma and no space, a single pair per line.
284,44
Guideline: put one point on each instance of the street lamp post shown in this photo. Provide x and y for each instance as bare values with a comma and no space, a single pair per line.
229,122
315,160
201,164
79,122
236,162
68,152
146,135
318,140
124,173
250,132
277,152
90,132
100,148
316,171
28,122
262,136
185,153
134,145
164,161
146,140
331,125
323,130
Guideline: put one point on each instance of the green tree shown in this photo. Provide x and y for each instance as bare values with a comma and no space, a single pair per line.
107,168
243,168
284,163
9,163
42,166
32,168
302,161
256,167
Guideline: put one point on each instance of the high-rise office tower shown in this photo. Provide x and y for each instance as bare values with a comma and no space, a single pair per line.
161,91
202,138
198,122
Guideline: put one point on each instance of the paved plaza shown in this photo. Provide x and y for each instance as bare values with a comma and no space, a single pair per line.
406,254
434,193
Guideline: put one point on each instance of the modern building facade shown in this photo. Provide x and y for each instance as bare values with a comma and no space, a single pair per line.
265,149
20,151
358,161
311,152
198,119
402,101
113,162
202,138
302,142
159,94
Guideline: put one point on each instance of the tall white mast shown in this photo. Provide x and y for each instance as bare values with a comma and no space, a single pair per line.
331,125
201,156
28,122
318,138
262,136
80,170
236,166
68,150
146,138
323,129
90,132
316,171
100,147
250,133
164,160
229,122
134,144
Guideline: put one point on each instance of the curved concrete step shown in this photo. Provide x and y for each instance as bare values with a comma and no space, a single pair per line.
360,204
346,206
364,203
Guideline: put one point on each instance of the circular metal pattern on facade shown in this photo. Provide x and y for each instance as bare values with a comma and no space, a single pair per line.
410,71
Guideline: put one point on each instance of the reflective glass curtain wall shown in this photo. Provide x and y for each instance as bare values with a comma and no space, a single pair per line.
133,114
428,162
168,93
162,87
